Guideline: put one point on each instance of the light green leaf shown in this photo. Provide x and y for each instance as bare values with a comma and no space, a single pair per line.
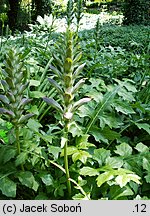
140,147
123,150
147,177
104,177
7,186
84,111
124,176
26,178
130,87
74,129
81,155
54,150
36,94
111,120
70,150
47,179
88,171
34,125
34,83
146,164
114,162
122,180
34,110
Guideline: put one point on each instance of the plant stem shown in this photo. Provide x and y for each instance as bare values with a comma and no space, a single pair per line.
66,159
18,143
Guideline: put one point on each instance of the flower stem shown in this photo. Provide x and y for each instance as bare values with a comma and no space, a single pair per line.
18,143
66,160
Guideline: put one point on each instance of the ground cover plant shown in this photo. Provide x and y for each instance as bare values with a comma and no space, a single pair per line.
75,111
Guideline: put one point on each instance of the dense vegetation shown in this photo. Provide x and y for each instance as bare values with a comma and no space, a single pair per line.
75,109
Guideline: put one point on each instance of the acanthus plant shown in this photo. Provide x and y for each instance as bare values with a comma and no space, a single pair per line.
67,82
13,101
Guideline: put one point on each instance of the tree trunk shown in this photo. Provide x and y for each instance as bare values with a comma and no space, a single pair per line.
13,14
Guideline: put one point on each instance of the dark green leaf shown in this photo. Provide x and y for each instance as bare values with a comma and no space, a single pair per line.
47,179
4,99
123,107
26,178
53,103
56,85
21,158
25,118
7,186
100,155
7,112
143,126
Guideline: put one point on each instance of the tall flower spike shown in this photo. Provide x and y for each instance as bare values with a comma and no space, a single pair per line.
14,84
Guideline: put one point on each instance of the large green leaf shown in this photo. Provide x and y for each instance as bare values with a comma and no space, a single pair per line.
104,135
123,150
143,126
80,155
123,179
34,83
101,107
117,192
147,177
26,178
104,177
47,179
9,154
74,129
88,171
54,150
7,186
100,155
140,147
70,150
34,125
110,119
146,164
126,95
21,158
96,133
123,107
114,162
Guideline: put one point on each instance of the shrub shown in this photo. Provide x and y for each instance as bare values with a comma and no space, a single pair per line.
137,12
